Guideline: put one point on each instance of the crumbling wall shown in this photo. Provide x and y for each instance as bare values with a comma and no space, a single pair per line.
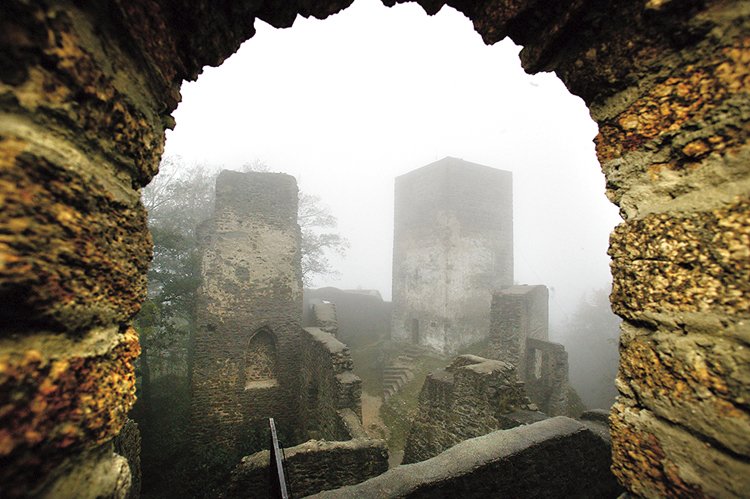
325,317
471,397
340,453
327,386
558,457
246,348
86,91
452,245
546,376
517,313
518,334
312,467
362,315
128,444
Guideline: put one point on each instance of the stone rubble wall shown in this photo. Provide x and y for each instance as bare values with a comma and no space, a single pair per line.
128,444
557,457
327,386
362,317
549,390
312,467
471,397
519,330
250,285
87,90
517,313
325,317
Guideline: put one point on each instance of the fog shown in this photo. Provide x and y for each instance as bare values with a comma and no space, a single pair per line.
348,103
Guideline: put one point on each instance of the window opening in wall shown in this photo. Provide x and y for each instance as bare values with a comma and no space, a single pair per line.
261,361
347,124
538,362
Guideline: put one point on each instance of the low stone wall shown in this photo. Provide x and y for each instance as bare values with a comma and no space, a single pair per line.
327,386
546,376
311,467
558,457
471,397
363,317
128,445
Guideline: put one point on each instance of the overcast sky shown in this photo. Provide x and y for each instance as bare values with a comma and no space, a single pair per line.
348,103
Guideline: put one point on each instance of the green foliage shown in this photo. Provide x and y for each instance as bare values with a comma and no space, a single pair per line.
178,200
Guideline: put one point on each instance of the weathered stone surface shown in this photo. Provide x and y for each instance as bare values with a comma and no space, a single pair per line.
59,397
86,90
659,459
697,381
362,316
92,475
558,457
246,350
312,467
471,397
128,445
73,250
452,246
696,262
327,385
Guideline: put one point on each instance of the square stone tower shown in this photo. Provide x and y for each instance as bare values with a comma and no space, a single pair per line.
452,246
245,352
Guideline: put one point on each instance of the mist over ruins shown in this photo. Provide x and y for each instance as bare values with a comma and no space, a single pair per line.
418,304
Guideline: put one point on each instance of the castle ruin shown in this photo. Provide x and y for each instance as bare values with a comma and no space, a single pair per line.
88,89
452,245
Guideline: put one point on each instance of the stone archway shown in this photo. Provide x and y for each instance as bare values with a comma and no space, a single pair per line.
87,92
261,360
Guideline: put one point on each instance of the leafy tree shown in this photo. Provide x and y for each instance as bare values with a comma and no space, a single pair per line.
318,237
178,200
591,338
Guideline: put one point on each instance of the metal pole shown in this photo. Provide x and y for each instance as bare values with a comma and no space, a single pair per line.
278,481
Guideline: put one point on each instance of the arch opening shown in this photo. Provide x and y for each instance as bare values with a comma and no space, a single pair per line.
261,361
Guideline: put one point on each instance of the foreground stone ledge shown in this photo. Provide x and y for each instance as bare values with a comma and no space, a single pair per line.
53,405
312,466
658,459
558,457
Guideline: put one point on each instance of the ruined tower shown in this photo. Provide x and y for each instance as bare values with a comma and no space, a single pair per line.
453,244
246,346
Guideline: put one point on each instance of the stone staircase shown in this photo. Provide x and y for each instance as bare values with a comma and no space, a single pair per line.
398,371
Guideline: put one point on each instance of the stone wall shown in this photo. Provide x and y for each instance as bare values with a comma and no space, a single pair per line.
558,457
518,332
128,445
517,313
471,397
86,92
327,386
246,348
325,317
329,413
312,467
452,245
546,376
362,315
